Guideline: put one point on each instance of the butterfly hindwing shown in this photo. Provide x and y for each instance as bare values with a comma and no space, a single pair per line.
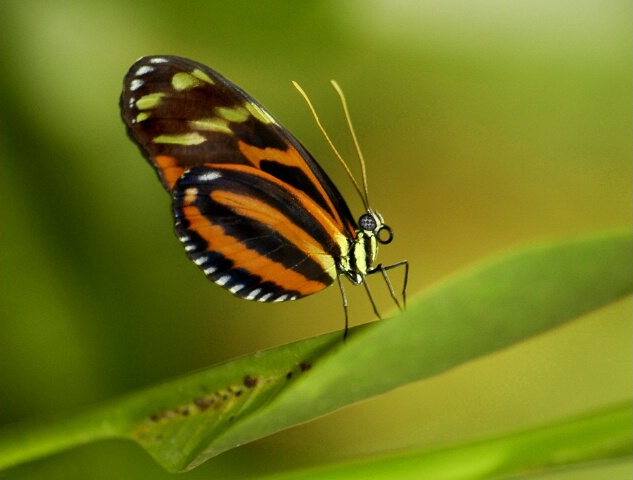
253,234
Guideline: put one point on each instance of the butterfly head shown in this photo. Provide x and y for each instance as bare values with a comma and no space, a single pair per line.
372,224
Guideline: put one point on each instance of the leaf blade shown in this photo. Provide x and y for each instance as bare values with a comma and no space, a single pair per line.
596,436
183,422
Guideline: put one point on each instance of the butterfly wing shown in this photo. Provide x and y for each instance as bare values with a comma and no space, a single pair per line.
254,235
183,114
253,208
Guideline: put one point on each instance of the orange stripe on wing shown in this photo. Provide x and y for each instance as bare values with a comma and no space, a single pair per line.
264,213
290,158
242,257
334,231
170,170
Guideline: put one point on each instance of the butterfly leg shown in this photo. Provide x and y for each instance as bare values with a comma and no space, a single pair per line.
383,270
371,299
344,297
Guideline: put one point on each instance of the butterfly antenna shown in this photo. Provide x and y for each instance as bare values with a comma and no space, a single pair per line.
338,155
356,144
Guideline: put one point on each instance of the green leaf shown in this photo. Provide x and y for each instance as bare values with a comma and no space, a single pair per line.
604,435
500,302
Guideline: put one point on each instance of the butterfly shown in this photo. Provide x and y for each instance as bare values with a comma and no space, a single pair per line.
253,209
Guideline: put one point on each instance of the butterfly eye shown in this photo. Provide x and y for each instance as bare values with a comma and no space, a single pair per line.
384,235
367,222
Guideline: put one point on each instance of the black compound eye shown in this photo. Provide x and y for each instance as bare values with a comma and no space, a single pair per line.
384,235
367,222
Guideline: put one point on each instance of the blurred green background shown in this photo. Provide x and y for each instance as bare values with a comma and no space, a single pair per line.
485,124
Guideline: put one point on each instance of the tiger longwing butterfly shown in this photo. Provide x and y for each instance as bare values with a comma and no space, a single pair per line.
253,208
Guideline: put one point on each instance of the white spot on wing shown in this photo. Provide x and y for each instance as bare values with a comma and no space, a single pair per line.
201,260
281,298
136,84
222,280
144,70
265,297
209,176
209,270
253,294
158,60
236,288
190,248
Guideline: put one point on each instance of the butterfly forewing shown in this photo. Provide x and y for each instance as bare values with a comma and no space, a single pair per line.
183,114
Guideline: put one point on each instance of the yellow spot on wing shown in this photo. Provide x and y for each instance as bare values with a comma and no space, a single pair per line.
141,117
260,114
193,138
236,115
150,101
182,81
202,76
211,125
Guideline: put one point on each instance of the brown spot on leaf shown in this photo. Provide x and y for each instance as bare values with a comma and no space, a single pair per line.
202,403
249,381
